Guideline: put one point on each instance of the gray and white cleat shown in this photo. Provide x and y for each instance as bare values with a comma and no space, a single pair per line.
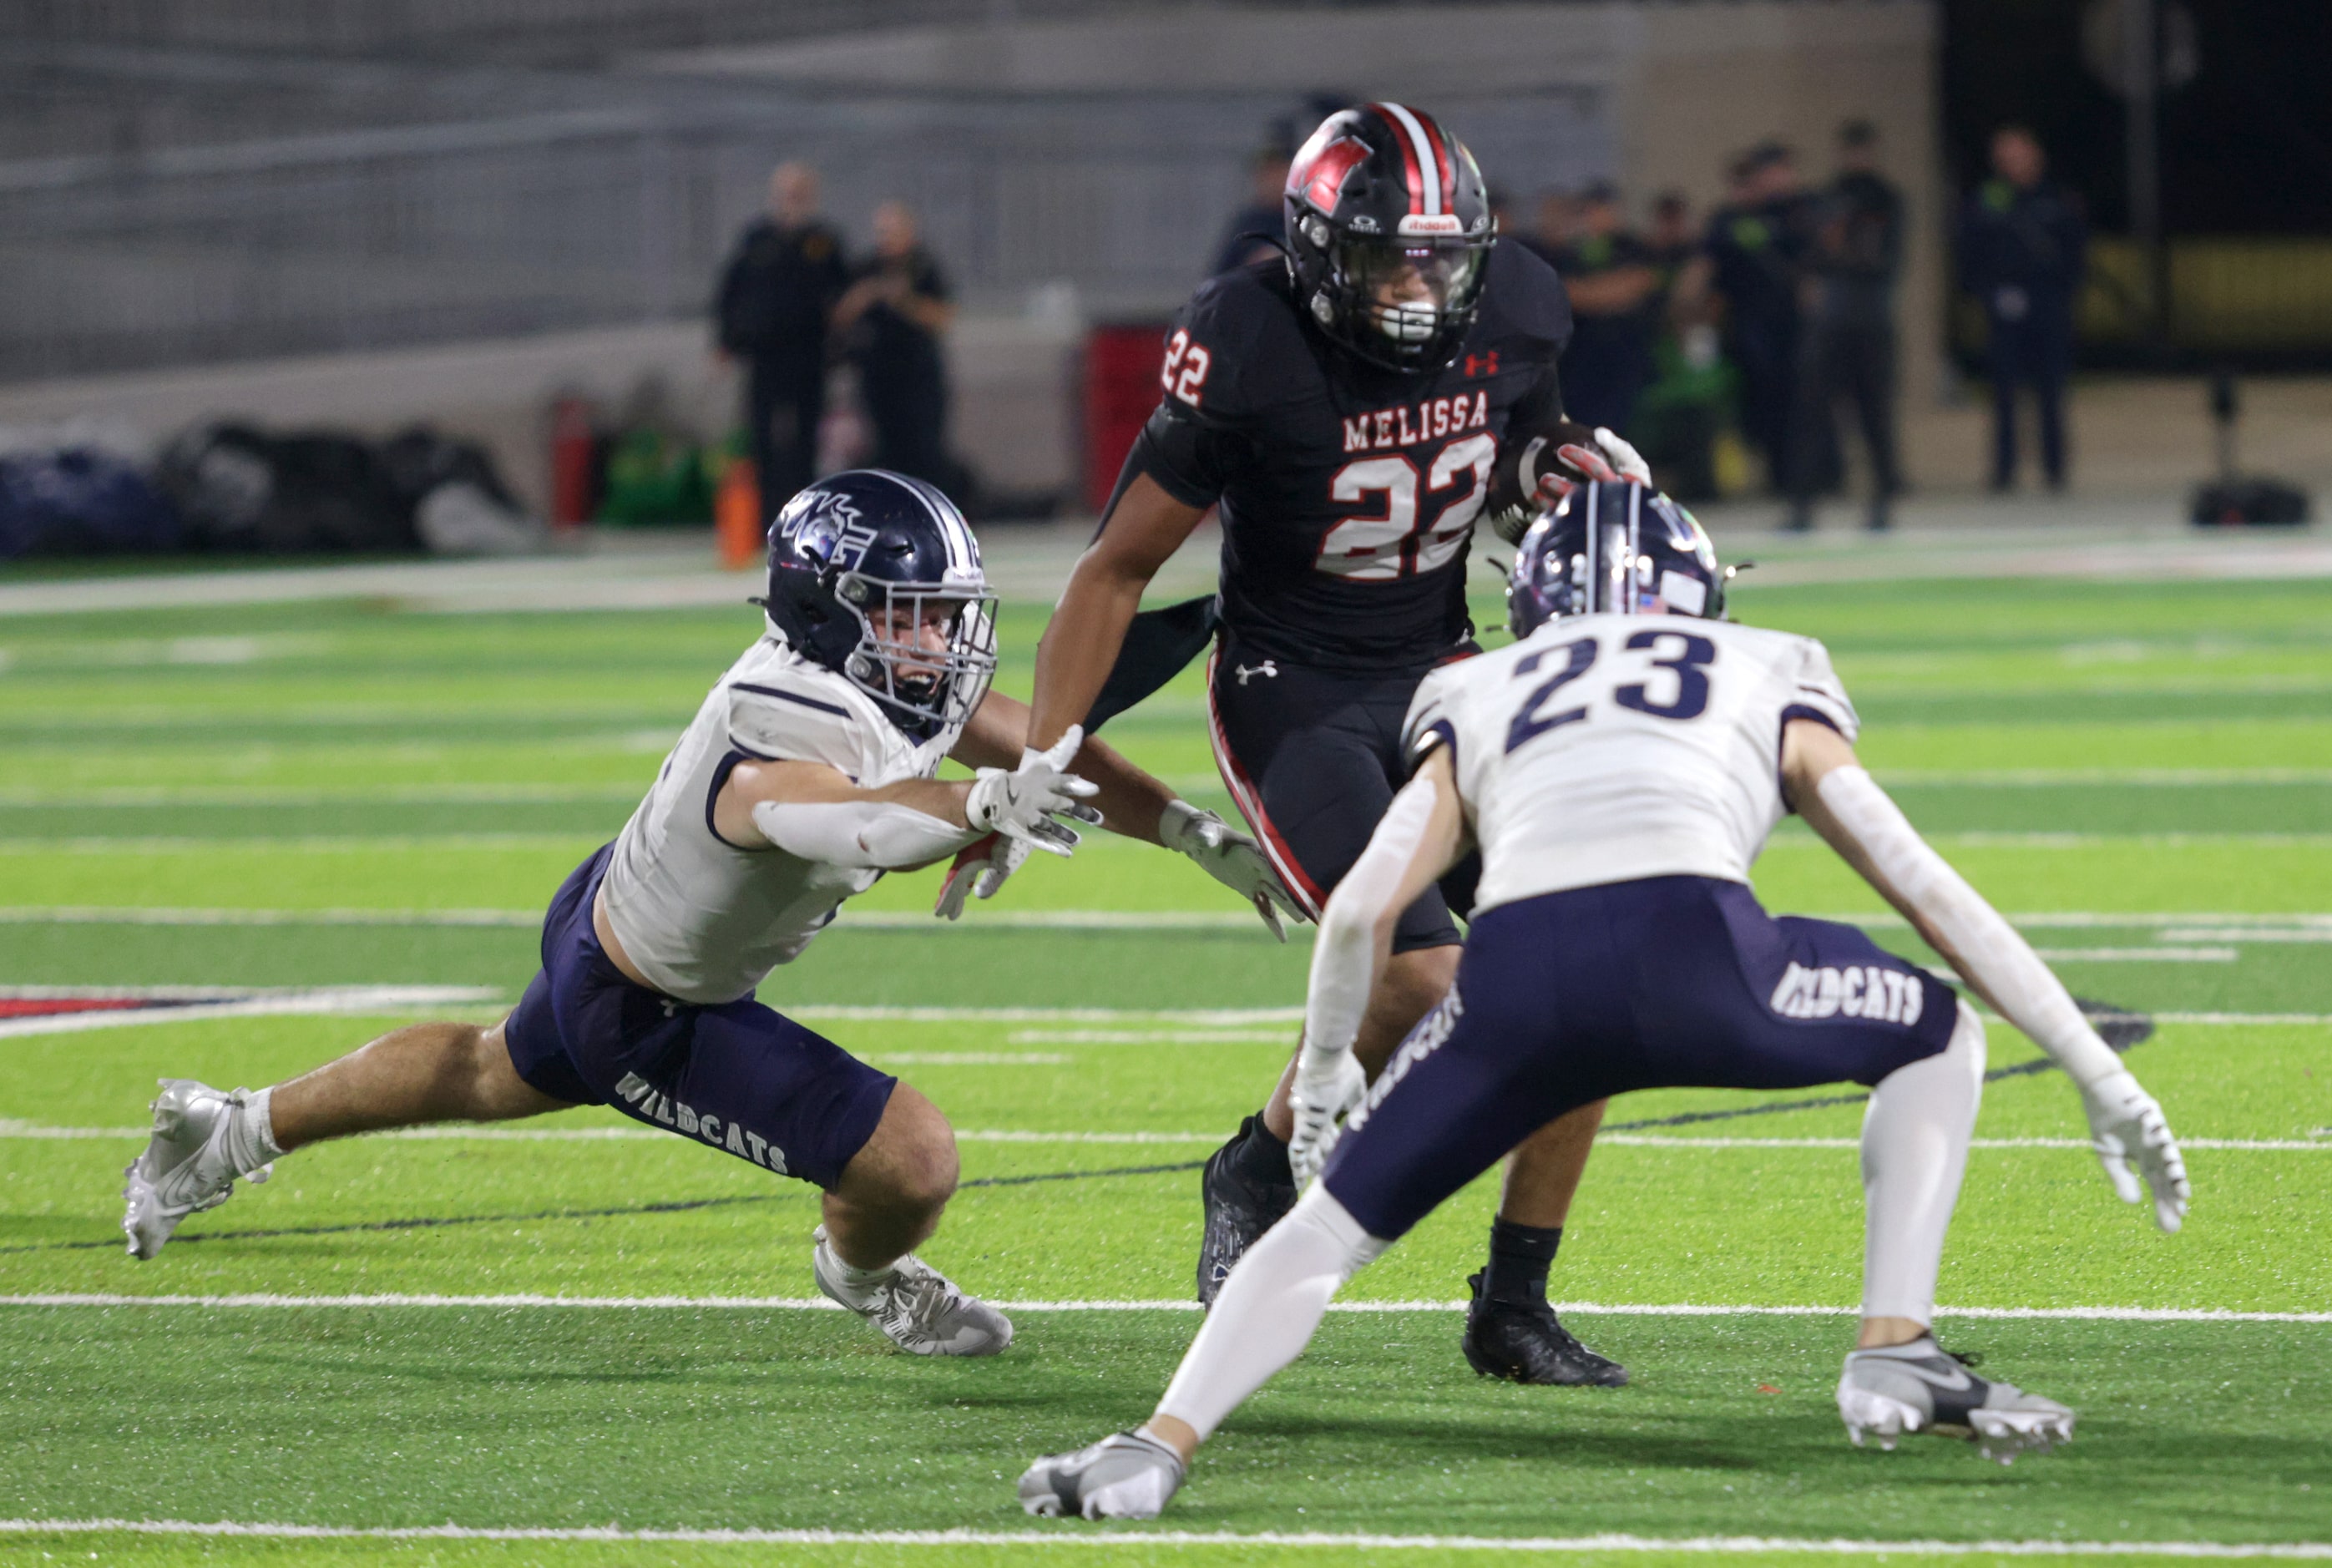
916,1305
187,1166
1920,1387
1125,1475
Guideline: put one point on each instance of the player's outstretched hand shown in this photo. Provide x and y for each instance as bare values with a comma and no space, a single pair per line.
1328,1084
980,869
1231,858
2126,1128
1022,804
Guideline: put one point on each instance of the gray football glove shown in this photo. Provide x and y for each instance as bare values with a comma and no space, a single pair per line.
1231,858
2127,1126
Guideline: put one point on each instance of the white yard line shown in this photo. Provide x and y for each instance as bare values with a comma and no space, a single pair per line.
368,795
2151,778
2182,925
40,1131
2137,954
1074,1539
257,1299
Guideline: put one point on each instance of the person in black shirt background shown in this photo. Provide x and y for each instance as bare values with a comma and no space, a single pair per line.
1613,290
1849,328
776,293
891,316
1255,230
2022,248
1754,253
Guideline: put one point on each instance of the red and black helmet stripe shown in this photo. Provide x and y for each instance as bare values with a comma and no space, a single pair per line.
1425,159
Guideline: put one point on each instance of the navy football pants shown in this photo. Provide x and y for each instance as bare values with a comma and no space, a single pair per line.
740,1076
1669,982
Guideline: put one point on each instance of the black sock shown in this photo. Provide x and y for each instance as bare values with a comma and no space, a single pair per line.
1262,1156
1520,1255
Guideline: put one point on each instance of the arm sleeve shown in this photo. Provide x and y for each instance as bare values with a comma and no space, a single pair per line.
864,835
1343,958
1982,945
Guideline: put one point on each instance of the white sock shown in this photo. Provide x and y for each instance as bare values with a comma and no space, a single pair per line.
1269,1309
859,1283
251,1131
1914,1143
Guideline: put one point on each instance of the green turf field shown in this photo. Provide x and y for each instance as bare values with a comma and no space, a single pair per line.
356,795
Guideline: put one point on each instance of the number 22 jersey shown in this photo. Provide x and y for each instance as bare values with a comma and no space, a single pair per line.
1348,493
1612,748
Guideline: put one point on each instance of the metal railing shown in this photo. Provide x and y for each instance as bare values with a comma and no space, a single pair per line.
562,217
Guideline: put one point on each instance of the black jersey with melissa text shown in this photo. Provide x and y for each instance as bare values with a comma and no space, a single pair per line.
1348,493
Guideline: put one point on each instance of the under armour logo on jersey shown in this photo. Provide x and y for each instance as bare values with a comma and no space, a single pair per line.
1482,364
1265,668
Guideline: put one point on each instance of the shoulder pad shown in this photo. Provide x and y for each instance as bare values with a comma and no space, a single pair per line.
1521,297
788,709
1431,721
1819,693
1234,346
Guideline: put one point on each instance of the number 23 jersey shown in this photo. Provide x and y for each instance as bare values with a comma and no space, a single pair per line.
1611,748
1348,495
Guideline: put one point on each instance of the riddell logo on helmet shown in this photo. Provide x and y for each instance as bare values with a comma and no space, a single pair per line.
1431,224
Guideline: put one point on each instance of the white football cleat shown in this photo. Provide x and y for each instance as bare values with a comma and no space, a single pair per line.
1125,1475
1920,1387
186,1166
916,1305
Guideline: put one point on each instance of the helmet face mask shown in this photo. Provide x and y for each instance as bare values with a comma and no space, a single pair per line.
893,664
1388,229
1613,548
862,565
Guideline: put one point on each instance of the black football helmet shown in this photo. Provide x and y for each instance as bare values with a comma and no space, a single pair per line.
1388,226
859,563
1613,548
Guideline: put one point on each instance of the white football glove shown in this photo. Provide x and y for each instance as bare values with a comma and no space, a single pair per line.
1231,858
980,869
1625,460
1022,804
1611,458
1328,1084
2126,1125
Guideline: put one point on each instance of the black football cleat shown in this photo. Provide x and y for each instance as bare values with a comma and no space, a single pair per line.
1524,1341
1240,1210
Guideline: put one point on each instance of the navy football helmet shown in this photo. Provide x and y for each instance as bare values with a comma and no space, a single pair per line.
1388,226
1613,548
860,563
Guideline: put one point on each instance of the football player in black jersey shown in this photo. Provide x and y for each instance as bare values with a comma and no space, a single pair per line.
1350,410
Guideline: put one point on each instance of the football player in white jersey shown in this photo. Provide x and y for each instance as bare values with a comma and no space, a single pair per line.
807,772
1619,766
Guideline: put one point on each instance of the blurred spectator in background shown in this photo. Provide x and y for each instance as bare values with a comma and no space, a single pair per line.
1256,229
776,294
1679,416
891,319
1609,275
2022,249
1554,228
1752,256
1849,328
1670,240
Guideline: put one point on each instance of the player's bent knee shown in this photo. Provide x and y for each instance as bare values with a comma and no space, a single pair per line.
910,1163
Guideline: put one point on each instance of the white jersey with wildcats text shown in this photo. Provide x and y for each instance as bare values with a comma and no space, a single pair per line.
703,919
1609,748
